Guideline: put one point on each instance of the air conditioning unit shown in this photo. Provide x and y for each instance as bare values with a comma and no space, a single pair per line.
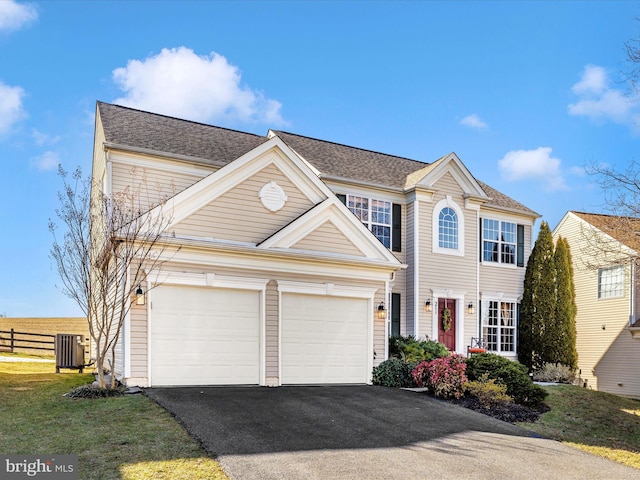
69,351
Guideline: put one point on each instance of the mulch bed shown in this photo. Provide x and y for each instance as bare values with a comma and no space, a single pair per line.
507,412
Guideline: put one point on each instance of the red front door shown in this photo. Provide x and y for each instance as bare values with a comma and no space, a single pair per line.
447,323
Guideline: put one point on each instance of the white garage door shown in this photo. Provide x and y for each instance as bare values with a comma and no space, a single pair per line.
204,336
324,339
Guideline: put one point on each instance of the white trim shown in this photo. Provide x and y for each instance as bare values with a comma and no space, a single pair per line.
500,297
461,312
453,165
435,227
209,280
387,322
279,335
500,219
125,338
107,187
416,269
329,289
285,261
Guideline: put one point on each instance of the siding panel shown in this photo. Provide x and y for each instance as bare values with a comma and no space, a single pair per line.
239,214
151,186
327,238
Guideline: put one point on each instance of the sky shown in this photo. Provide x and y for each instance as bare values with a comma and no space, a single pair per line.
527,94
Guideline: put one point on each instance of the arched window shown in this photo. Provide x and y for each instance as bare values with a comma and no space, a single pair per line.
448,229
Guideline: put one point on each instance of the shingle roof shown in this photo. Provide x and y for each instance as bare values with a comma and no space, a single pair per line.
626,230
364,165
343,161
143,130
135,128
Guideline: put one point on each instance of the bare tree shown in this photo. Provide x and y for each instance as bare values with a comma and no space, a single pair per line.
110,246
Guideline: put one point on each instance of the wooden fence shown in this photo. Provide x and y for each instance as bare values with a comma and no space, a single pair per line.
10,340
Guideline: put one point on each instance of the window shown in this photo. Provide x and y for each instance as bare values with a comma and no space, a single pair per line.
611,282
499,241
447,224
499,326
375,214
448,229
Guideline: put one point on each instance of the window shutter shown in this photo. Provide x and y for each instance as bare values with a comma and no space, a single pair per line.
395,314
396,227
342,197
520,247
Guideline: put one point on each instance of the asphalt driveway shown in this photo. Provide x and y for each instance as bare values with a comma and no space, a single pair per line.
366,432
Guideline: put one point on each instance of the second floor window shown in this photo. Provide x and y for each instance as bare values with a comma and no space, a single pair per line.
611,282
499,242
448,229
375,214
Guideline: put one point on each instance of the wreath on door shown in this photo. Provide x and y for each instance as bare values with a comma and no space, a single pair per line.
446,319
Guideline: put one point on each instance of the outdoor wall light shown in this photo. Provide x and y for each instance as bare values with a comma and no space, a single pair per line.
427,305
139,296
381,313
471,309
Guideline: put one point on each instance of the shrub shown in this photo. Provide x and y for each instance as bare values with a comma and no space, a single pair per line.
393,373
487,391
444,376
509,373
412,350
555,372
88,391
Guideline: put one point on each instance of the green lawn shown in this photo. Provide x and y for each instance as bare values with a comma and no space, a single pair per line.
127,437
597,422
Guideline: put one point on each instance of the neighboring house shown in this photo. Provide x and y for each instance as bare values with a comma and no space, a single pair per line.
278,282
604,250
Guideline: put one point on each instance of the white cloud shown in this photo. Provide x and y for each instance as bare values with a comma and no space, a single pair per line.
14,15
207,88
473,121
47,161
11,109
43,138
535,164
598,101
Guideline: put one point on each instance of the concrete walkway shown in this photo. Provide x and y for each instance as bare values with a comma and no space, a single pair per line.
365,432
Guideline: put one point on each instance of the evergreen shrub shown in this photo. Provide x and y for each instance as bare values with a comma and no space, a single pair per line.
412,350
394,373
512,374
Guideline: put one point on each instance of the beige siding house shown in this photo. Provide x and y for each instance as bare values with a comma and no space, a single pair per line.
299,257
606,282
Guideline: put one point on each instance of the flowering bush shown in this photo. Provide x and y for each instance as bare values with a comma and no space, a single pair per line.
445,377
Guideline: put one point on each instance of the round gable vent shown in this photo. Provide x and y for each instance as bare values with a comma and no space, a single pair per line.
272,196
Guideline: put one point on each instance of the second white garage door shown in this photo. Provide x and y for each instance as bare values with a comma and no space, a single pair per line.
324,339
204,336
